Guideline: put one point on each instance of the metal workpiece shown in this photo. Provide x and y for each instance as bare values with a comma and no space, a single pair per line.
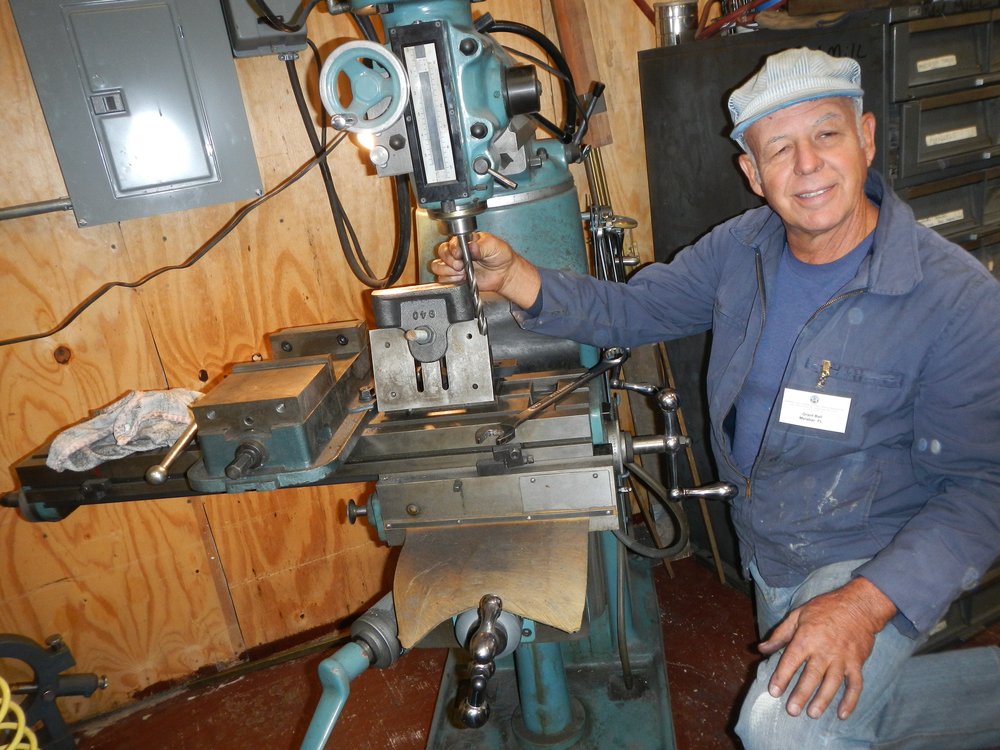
461,376
427,351
387,304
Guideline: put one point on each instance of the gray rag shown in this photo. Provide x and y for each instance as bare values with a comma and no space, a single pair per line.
138,421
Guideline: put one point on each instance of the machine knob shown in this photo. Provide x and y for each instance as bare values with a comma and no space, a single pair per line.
158,474
489,640
482,166
355,511
522,92
249,456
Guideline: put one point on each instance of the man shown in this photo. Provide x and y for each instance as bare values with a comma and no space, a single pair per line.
854,394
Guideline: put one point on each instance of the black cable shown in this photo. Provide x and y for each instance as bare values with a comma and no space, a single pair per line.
198,255
348,238
349,243
565,133
276,21
623,655
318,58
673,507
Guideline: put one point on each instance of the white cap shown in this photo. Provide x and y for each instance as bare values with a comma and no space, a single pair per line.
791,77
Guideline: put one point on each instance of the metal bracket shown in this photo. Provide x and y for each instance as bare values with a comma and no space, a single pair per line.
505,458
46,663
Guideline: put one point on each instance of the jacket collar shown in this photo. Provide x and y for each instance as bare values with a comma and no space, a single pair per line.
894,265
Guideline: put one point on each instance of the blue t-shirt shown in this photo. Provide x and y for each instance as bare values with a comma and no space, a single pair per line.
800,289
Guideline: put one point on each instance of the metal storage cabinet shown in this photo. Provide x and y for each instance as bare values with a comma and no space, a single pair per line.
944,122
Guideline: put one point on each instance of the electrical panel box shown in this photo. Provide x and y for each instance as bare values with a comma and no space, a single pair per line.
250,35
142,103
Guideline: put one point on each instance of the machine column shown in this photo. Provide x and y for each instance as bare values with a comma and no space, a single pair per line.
549,717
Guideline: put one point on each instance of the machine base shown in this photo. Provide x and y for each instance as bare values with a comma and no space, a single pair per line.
636,719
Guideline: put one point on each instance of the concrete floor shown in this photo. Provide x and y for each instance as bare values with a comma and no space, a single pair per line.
709,644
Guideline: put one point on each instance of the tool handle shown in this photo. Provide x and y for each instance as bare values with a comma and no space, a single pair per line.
713,491
158,474
488,640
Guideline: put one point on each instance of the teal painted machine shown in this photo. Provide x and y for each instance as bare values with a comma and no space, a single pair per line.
451,108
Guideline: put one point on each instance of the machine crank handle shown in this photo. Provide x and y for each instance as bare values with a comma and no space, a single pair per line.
712,491
488,641
483,166
158,474
503,433
374,643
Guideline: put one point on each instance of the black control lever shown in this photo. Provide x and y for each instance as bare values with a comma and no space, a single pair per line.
596,92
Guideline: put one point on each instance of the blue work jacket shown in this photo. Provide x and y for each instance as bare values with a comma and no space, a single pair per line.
913,481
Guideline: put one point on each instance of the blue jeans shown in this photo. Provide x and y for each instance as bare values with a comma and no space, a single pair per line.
943,701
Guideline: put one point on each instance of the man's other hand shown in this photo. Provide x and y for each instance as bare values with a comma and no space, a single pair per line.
832,636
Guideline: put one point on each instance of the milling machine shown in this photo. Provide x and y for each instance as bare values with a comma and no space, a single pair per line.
496,454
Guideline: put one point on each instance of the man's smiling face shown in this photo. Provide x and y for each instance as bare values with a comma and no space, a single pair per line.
810,163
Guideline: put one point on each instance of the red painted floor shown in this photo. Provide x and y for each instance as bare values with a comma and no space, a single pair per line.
708,633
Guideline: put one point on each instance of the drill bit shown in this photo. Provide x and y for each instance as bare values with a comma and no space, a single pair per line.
470,278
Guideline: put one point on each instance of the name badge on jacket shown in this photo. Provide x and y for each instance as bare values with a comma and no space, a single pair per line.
819,411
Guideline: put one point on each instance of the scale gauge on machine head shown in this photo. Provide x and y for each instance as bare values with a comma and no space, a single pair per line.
433,123
430,113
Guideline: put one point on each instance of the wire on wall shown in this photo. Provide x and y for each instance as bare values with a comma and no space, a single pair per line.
198,255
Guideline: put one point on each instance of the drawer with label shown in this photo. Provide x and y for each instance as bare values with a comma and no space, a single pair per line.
937,55
937,133
965,209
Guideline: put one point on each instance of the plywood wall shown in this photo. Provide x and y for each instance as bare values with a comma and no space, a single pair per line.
148,593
